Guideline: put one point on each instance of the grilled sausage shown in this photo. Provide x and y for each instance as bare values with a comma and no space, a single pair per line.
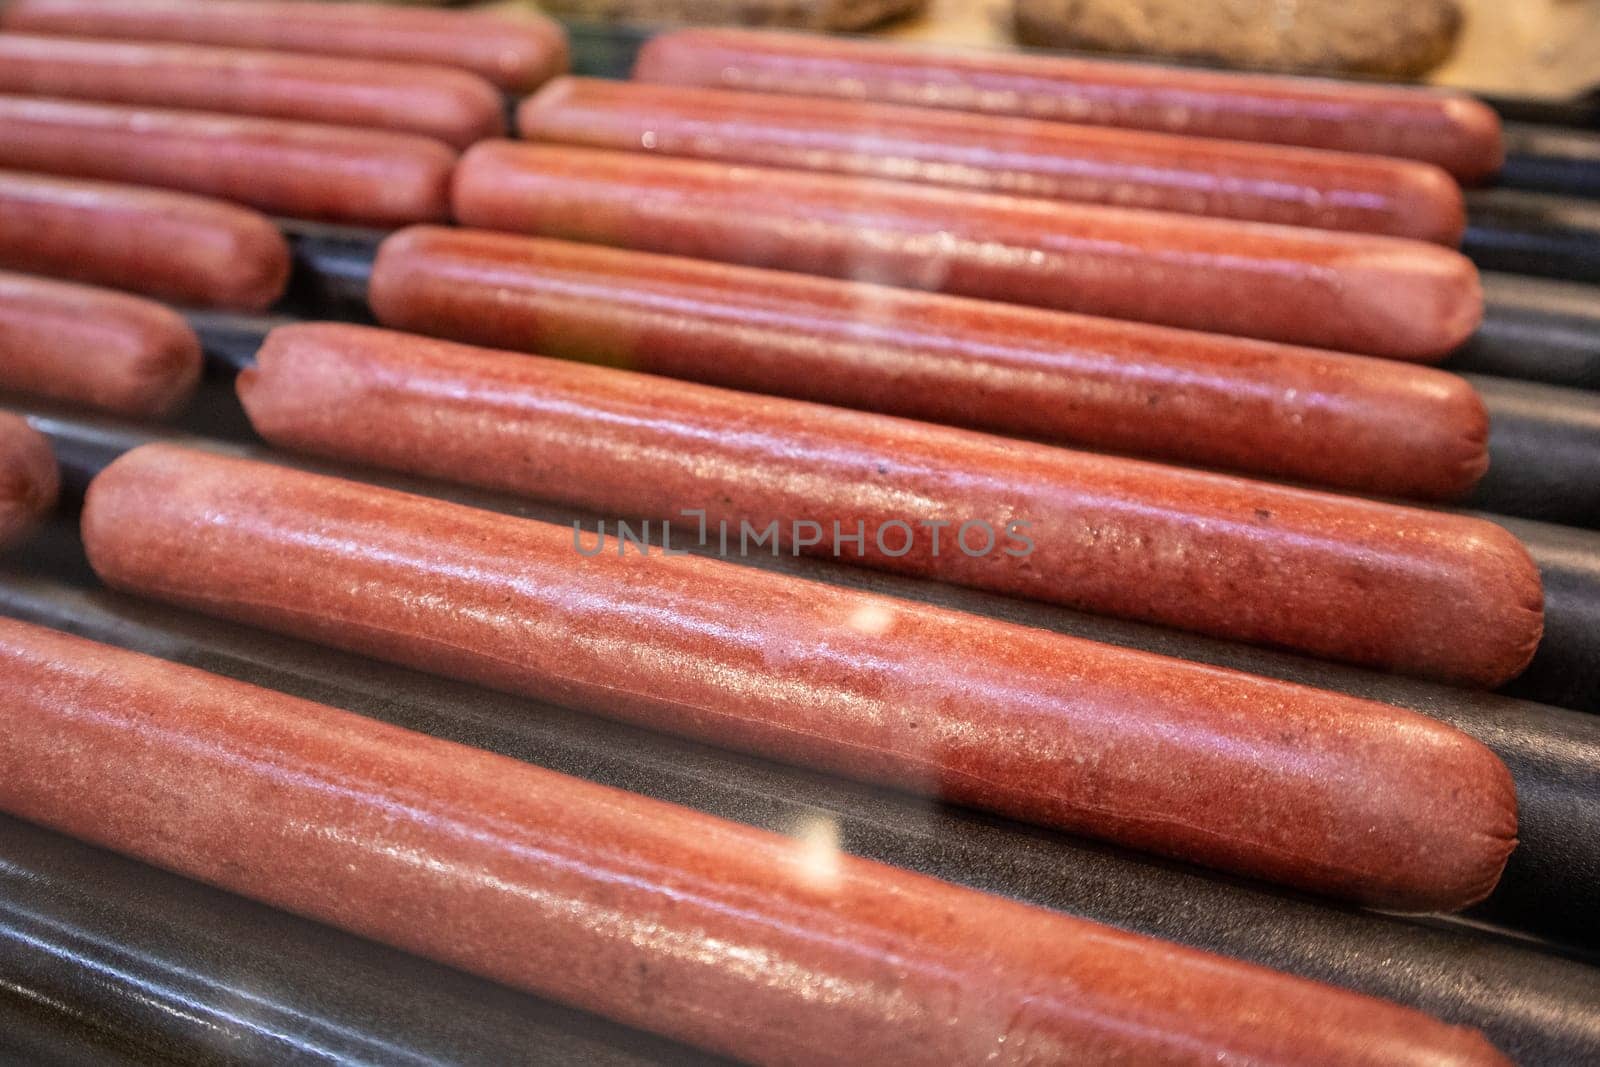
1023,157
1375,426
29,479
1419,592
450,105
1354,292
93,348
301,169
515,53
630,907
172,246
1451,130
1256,776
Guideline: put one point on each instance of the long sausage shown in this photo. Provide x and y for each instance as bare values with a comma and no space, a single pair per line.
739,940
515,53
95,348
1375,426
301,169
1022,157
1252,775
1353,292
1448,129
172,246
1395,588
450,105
29,478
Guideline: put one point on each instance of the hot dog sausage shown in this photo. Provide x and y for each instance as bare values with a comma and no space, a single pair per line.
301,169
1354,292
94,348
29,478
1372,425
515,53
1400,589
1453,131
451,105
732,938
1022,157
1315,789
173,246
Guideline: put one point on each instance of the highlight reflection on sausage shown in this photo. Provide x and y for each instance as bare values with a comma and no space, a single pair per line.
300,169
451,105
1375,426
172,246
95,348
1351,292
515,53
1314,789
1401,589
1451,130
1019,157
29,479
633,908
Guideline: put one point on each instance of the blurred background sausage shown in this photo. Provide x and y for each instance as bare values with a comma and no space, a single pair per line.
451,105
95,348
172,246
515,53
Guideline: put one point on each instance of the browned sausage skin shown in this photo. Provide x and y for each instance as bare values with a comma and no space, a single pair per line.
450,105
1350,292
300,169
1375,426
172,246
29,478
1021,157
1451,130
1252,775
633,908
94,348
514,53
1421,592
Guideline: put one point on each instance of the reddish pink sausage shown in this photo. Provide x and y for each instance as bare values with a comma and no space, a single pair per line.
1375,426
29,480
1257,776
637,909
300,169
451,105
94,348
1354,292
172,246
1396,588
1021,157
1451,130
515,53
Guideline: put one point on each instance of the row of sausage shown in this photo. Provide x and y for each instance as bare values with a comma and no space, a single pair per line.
719,935
1330,793
1016,229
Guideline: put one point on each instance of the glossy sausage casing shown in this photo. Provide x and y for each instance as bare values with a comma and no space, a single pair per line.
451,105
1375,426
1352,292
300,169
1451,130
637,909
1021,157
1312,788
514,53
1400,589
94,348
172,246
29,478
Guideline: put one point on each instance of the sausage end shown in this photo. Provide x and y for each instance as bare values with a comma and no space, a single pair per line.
1482,150
30,481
